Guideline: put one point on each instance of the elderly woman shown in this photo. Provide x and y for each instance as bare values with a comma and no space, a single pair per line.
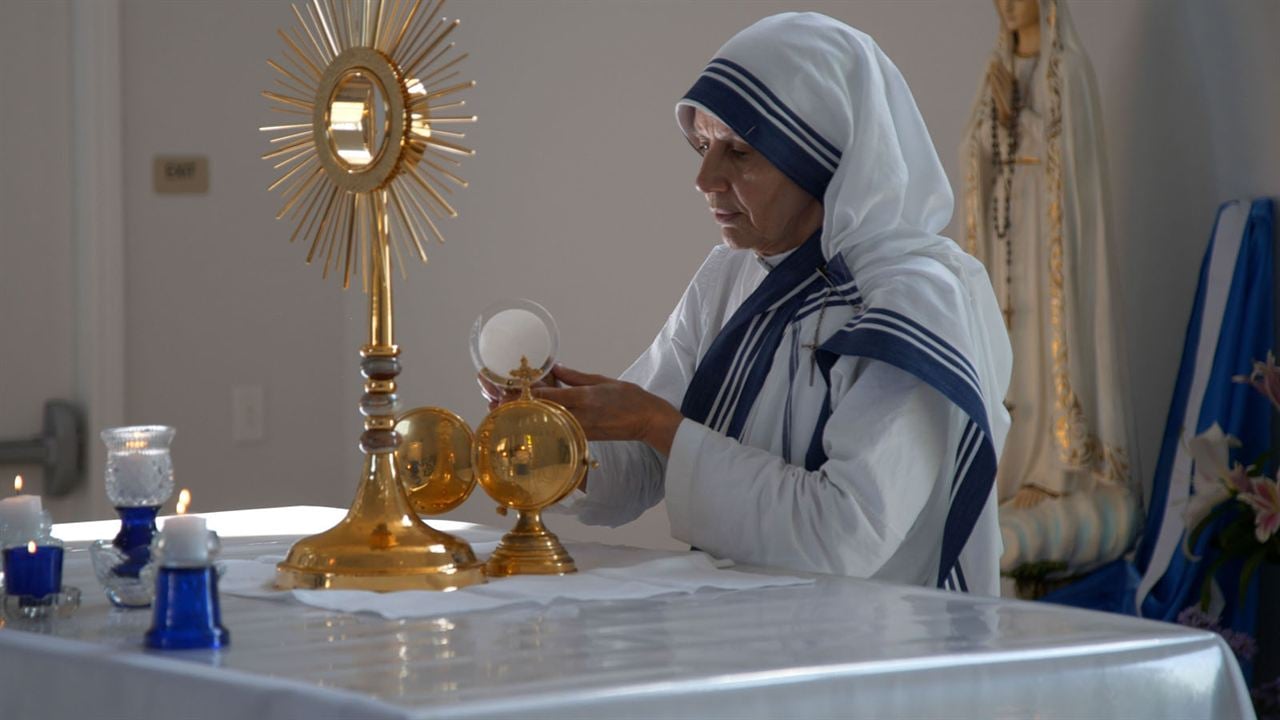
827,394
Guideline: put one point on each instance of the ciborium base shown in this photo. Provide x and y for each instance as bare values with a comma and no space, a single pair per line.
380,545
530,549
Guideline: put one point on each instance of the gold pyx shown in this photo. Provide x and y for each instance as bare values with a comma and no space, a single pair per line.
364,83
529,454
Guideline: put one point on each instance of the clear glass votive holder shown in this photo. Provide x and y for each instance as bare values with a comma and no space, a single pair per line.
139,479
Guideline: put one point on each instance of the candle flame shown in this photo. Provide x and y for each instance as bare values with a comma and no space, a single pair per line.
31,547
139,444
17,484
184,501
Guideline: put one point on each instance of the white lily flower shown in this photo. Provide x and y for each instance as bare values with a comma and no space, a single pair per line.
1210,451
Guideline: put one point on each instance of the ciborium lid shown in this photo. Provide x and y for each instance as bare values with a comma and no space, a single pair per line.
434,459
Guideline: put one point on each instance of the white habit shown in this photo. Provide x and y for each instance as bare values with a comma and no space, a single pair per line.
875,509
843,403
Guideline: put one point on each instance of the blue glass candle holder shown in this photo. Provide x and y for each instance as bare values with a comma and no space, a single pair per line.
33,573
137,529
19,531
33,580
187,614
118,563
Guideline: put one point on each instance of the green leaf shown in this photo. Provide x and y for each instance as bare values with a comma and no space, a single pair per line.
1206,586
1250,567
1213,515
1035,571
1238,537
1258,463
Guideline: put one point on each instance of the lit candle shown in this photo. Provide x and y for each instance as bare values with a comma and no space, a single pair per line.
20,518
134,469
186,537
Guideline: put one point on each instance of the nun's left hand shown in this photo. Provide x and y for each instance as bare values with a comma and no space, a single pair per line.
610,409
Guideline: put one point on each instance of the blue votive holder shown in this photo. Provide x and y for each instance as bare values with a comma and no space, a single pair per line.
33,580
118,563
187,615
32,573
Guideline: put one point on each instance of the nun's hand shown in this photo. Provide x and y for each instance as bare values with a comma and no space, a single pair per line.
610,409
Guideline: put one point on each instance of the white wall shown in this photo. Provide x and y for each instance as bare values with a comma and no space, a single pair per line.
216,297
581,198
37,249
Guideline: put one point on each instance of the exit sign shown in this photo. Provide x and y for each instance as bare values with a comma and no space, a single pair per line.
180,174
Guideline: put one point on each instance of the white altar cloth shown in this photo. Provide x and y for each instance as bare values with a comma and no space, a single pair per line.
837,648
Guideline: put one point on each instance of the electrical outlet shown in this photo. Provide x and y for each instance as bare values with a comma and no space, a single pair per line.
248,413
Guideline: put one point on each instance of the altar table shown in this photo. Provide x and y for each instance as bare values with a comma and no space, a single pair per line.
839,648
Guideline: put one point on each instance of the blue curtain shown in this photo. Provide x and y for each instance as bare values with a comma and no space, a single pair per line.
1229,341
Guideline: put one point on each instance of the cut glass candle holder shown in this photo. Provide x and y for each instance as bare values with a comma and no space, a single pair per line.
139,479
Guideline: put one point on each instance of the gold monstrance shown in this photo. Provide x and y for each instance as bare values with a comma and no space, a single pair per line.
366,166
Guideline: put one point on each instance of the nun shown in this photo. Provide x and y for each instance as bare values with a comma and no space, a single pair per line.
827,394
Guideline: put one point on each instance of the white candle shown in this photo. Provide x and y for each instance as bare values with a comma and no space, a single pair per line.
135,473
511,334
186,541
20,517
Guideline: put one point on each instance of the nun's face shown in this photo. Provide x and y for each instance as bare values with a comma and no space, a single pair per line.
756,206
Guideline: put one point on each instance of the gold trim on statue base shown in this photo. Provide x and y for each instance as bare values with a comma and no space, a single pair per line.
529,549
380,545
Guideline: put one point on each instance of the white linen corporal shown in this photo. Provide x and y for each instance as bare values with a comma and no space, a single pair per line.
845,399
604,573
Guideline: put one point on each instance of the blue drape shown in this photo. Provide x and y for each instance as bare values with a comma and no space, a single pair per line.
1244,333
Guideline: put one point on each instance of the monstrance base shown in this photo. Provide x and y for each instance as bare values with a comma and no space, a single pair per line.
530,549
380,545
334,560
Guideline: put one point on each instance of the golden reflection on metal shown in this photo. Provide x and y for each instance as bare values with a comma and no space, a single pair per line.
434,459
354,184
529,454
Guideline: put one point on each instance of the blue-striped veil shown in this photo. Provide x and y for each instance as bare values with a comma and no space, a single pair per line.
824,104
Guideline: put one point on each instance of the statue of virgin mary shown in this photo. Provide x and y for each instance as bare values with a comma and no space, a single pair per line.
1036,215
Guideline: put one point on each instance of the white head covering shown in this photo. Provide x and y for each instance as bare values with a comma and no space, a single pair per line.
828,108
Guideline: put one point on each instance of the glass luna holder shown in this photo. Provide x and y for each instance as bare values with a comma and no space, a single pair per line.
184,575
33,575
139,479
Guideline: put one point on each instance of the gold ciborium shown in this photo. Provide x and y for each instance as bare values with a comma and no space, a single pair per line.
434,459
364,159
528,453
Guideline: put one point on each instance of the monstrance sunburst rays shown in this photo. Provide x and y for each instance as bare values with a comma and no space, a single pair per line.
375,156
